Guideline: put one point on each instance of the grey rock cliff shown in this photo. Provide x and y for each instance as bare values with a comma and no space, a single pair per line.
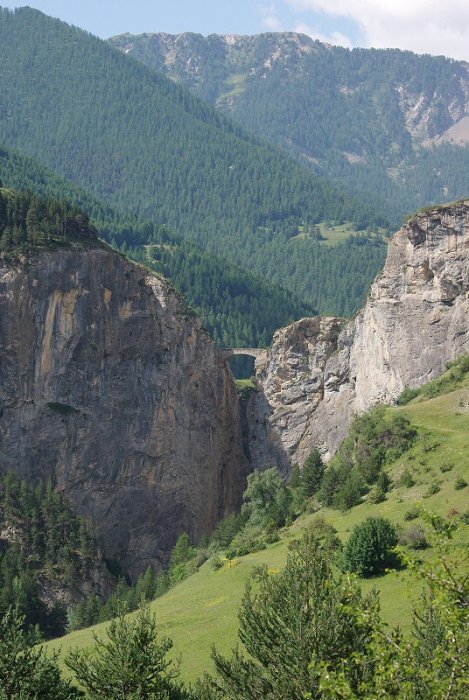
321,371
112,388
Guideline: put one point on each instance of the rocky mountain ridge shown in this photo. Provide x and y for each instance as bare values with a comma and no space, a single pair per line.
111,388
383,122
221,66
321,371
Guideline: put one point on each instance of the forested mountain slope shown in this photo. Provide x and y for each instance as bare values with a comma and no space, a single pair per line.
238,308
390,124
139,142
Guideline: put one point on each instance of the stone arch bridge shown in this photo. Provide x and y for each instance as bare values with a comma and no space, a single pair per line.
226,353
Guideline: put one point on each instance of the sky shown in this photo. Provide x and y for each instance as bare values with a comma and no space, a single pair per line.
424,26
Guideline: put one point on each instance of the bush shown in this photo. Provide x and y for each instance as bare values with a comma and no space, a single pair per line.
446,467
216,563
460,484
406,479
407,395
412,513
414,537
250,539
369,550
432,490
227,529
377,495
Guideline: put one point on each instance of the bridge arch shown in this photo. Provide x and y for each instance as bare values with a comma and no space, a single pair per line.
227,353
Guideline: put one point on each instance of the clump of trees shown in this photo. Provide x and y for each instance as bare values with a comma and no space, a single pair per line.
45,546
26,221
375,439
307,632
310,633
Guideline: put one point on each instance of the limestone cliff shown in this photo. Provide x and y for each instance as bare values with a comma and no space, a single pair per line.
112,388
321,371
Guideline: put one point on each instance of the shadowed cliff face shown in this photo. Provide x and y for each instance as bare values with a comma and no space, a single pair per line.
319,372
109,386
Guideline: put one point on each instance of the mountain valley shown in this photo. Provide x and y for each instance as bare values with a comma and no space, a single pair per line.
234,371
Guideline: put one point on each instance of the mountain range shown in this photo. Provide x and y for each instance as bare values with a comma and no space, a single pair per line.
390,125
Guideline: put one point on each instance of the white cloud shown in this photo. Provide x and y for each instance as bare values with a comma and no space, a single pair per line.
270,19
424,26
336,38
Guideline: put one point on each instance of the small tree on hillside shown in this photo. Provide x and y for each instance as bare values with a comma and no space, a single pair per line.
301,615
312,473
26,672
369,550
130,664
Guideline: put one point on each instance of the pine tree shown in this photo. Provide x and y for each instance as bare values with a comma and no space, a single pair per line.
301,615
312,473
26,672
130,664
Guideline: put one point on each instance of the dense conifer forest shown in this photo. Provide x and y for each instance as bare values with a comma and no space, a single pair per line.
145,146
367,119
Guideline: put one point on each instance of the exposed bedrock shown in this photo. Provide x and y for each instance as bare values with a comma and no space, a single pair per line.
320,371
109,386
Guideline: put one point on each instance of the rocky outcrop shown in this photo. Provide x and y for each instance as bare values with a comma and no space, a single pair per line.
321,371
109,386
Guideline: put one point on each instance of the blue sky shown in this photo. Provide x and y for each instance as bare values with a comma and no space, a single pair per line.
424,26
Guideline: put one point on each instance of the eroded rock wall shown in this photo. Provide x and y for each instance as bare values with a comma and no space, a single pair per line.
109,386
319,372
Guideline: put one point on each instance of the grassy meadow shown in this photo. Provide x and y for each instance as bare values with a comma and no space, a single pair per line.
202,610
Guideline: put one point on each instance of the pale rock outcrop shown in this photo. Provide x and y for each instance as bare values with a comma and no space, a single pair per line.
109,386
321,371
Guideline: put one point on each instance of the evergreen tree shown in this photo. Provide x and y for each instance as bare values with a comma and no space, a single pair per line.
312,473
26,672
130,664
289,624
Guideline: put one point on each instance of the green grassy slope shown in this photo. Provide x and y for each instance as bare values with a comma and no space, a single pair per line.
202,610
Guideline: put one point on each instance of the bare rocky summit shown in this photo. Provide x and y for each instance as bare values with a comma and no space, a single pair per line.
321,371
110,386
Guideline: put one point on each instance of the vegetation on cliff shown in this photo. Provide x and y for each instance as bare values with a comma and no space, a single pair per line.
49,557
28,222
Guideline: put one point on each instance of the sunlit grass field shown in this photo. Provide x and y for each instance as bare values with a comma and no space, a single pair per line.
202,610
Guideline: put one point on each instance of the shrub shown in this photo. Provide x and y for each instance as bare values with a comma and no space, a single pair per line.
446,467
369,550
432,490
216,563
406,479
412,513
407,395
414,537
377,495
460,484
250,539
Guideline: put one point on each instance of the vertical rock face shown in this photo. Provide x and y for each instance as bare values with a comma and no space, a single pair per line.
109,386
319,372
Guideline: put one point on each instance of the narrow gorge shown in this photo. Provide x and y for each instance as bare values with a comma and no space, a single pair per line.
113,389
